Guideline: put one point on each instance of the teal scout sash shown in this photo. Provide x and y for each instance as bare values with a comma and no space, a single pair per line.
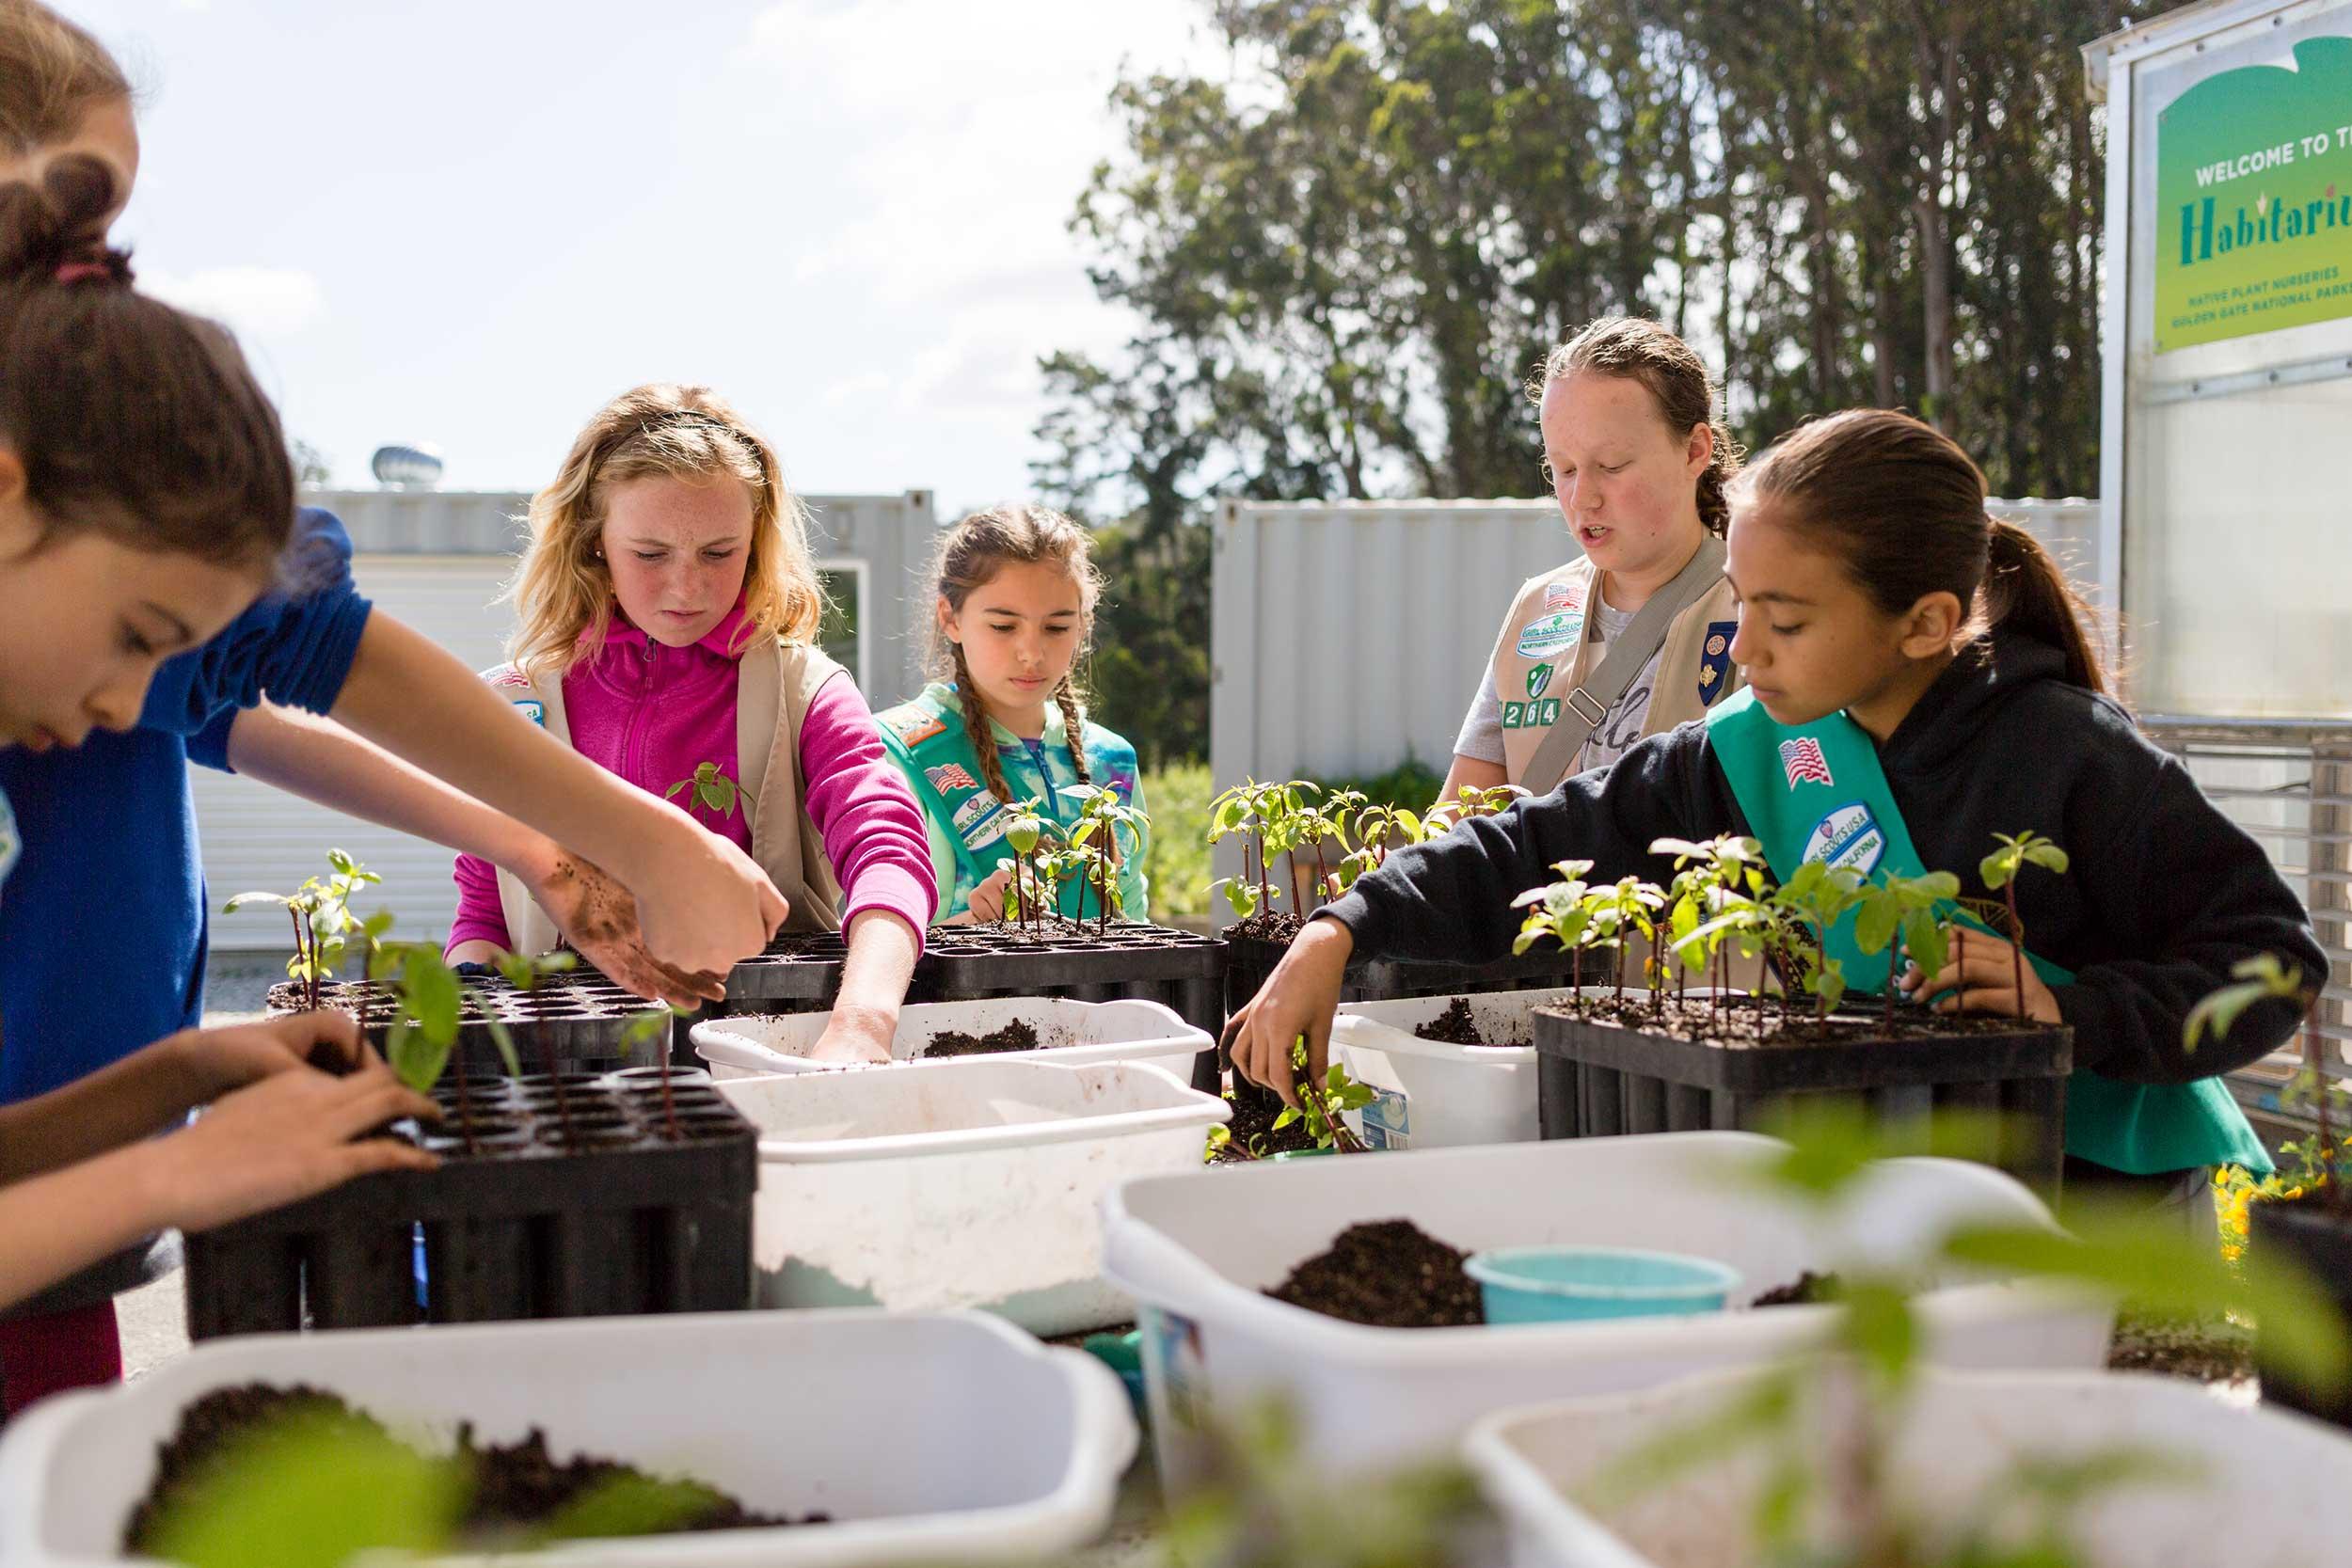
1816,792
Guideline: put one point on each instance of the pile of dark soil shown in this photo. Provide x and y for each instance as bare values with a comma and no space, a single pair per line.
1456,1026
1390,1275
1275,925
1807,1289
1252,1133
513,1486
1743,1022
1020,1035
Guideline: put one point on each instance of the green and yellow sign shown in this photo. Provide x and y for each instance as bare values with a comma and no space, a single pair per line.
2254,200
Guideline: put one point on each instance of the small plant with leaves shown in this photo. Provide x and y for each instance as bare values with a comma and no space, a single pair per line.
1716,904
1242,812
2321,1158
651,1029
526,973
324,926
1379,827
1561,911
1816,896
1908,912
1025,827
1321,1106
429,1001
708,788
1103,817
2000,870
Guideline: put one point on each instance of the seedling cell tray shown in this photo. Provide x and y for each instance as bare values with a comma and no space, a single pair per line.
616,1216
578,1019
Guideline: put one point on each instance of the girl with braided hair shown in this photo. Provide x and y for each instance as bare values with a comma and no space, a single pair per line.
1004,720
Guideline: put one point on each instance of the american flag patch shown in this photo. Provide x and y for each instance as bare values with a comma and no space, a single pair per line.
952,776
1559,596
1802,760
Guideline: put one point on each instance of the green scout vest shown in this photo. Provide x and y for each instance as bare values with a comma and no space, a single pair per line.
927,740
1816,792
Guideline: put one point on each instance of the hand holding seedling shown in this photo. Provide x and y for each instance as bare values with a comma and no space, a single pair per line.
215,1061
1298,999
987,902
1982,975
281,1140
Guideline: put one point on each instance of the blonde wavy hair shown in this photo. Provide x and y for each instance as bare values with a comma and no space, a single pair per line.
562,591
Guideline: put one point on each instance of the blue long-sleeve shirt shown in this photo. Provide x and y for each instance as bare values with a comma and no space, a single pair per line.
104,921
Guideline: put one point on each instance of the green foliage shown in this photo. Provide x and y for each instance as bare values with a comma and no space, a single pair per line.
707,787
1321,1105
430,1001
1410,784
2001,867
1908,911
1176,860
2258,977
325,928
1812,900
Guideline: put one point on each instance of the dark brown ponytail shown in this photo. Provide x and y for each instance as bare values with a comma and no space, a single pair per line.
1903,507
131,418
2026,591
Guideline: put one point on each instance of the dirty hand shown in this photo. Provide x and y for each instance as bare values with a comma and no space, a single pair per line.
283,1139
987,902
855,1036
598,917
214,1061
1298,999
1981,971
706,905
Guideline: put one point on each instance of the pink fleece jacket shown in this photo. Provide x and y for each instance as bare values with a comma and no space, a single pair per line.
652,714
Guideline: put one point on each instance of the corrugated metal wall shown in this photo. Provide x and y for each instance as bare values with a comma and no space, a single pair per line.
1349,635
438,560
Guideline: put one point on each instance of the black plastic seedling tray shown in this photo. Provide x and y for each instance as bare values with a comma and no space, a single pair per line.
619,1218
1599,1078
577,1019
796,974
2313,1233
1249,959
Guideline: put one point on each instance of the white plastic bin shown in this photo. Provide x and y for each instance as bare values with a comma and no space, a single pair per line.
962,1183
1076,1034
1427,1094
2268,1489
926,1439
1198,1251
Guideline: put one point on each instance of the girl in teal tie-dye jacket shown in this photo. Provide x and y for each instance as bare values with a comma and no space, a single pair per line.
1014,591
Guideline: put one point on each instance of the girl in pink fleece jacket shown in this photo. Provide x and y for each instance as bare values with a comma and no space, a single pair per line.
668,608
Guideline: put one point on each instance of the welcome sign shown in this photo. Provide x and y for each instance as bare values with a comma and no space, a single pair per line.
2254,200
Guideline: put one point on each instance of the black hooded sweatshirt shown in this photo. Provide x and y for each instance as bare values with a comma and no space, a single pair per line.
2162,896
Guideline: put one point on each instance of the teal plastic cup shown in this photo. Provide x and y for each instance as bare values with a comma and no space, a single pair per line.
1576,1284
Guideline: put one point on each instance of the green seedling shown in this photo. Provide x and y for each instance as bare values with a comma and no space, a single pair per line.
324,925
1812,900
428,1006
1715,905
1320,1106
2319,1159
1999,870
1102,816
1567,912
1025,826
525,972
1243,812
651,1028
1908,912
707,787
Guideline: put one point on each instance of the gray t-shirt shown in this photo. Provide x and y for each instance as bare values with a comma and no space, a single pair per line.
1480,736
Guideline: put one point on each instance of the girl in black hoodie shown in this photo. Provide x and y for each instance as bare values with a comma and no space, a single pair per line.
1872,583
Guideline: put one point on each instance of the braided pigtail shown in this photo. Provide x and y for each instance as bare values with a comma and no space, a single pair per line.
976,727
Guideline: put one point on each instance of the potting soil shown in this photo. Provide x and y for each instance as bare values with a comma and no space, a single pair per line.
1807,1290
1251,1132
1020,1035
1456,1026
1741,1022
512,1487
2204,1350
1275,925
1386,1274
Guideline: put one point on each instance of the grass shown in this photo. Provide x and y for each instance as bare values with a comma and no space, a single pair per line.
1178,861
1177,798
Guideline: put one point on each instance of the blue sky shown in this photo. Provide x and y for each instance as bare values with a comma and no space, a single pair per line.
469,223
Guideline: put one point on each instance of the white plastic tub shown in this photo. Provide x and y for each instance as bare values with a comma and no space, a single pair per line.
2267,1489
1076,1034
961,1183
926,1439
1198,1251
1427,1094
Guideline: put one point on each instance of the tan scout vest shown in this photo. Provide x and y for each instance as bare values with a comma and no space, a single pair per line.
773,689
1546,649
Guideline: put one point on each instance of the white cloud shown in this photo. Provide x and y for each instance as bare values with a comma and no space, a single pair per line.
254,301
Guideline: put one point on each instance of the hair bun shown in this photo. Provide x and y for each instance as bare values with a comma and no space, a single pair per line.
59,222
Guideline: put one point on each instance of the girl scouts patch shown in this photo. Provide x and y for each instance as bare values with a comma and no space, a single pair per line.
1715,661
532,709
1848,837
915,727
1548,634
1559,595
